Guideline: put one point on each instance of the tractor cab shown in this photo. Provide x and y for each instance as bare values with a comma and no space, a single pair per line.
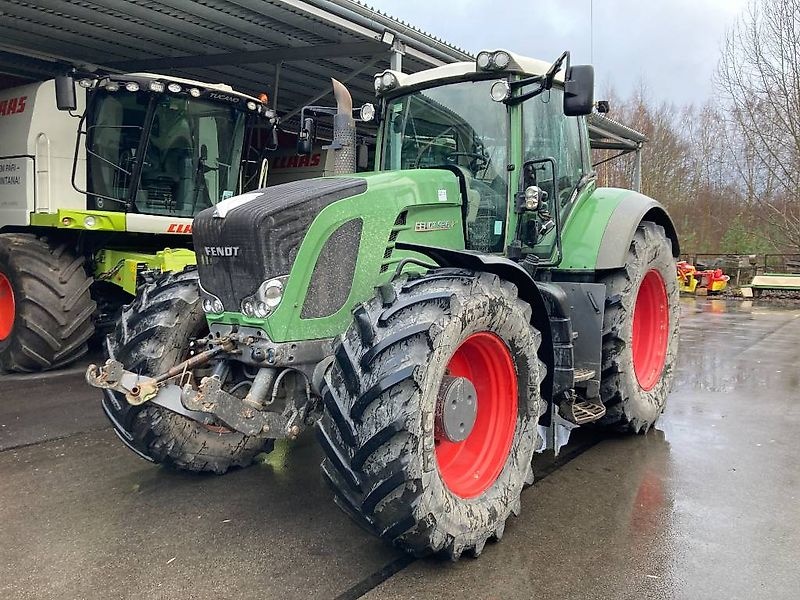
163,146
514,140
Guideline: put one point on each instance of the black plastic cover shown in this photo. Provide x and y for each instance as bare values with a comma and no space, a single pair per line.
259,239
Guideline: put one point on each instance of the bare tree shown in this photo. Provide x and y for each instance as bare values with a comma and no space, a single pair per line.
759,79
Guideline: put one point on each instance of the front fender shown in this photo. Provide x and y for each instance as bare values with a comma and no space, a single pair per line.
598,232
510,271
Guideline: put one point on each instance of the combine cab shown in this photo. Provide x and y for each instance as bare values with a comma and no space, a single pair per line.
96,193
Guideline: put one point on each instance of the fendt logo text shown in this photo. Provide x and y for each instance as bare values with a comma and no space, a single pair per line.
221,250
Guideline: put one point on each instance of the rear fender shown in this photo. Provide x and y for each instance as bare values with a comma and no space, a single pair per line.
599,230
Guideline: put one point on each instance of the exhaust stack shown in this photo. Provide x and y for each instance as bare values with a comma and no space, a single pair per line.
344,131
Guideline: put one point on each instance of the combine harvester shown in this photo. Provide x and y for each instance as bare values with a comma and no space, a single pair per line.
441,319
100,185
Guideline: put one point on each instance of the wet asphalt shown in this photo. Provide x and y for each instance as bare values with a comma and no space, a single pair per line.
707,505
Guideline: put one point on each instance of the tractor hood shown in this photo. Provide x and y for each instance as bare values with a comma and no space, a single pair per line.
248,239
292,259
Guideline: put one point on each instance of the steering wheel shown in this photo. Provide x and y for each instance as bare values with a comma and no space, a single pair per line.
478,162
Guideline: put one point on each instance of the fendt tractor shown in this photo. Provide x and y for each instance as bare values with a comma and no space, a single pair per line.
439,319
104,188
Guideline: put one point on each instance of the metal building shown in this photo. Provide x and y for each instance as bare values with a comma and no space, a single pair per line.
287,48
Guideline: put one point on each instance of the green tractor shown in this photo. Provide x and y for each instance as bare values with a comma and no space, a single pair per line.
440,319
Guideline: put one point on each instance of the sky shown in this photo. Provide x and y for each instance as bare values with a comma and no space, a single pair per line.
669,46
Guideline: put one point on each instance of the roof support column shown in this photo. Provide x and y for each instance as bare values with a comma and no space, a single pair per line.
396,53
637,170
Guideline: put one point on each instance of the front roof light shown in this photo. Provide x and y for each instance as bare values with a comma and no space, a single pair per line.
174,88
194,92
484,60
501,59
156,86
132,86
389,80
112,86
500,90
251,105
86,83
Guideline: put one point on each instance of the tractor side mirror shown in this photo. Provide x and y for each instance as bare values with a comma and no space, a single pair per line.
307,135
66,98
579,90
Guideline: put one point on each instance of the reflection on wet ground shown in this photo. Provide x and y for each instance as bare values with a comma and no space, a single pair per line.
704,506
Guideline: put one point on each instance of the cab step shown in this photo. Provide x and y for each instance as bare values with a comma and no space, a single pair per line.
583,375
581,412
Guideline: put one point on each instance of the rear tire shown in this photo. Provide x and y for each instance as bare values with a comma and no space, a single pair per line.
46,308
638,361
387,460
152,336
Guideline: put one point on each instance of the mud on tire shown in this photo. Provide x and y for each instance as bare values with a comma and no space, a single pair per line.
53,308
380,396
630,407
152,336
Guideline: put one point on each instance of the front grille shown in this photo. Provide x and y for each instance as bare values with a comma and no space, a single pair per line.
399,225
259,239
333,274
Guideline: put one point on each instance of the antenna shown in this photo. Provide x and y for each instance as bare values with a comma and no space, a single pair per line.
591,32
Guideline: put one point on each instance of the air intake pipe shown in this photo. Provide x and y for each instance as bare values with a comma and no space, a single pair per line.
344,131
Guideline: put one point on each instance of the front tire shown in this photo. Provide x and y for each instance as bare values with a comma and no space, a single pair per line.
152,336
398,465
45,305
640,333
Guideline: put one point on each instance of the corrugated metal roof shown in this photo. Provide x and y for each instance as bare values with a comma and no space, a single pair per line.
40,39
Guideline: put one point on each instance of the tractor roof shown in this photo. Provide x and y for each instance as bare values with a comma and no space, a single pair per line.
522,65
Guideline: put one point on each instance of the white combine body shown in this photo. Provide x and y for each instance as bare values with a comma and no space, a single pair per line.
93,196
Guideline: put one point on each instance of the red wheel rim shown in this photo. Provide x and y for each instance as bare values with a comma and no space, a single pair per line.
650,330
7,310
468,468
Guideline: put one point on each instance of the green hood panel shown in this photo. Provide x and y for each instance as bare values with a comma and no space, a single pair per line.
420,205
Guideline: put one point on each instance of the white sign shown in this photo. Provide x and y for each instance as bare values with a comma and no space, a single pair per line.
16,190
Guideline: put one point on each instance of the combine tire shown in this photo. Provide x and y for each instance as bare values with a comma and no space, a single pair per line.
431,411
152,336
640,333
45,305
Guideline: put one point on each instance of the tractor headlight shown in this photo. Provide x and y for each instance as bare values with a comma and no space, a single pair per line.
493,61
194,92
501,59
112,86
174,88
211,304
132,86
267,297
367,112
532,194
156,86
501,90
89,222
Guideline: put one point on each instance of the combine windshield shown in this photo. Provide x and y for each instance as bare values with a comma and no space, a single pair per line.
456,125
190,162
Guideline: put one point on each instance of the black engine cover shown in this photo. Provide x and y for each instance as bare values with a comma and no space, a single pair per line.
259,240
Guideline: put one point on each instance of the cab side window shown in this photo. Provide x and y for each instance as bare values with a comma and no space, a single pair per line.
548,133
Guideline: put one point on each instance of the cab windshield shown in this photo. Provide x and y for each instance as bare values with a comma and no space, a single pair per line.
191,160
456,125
